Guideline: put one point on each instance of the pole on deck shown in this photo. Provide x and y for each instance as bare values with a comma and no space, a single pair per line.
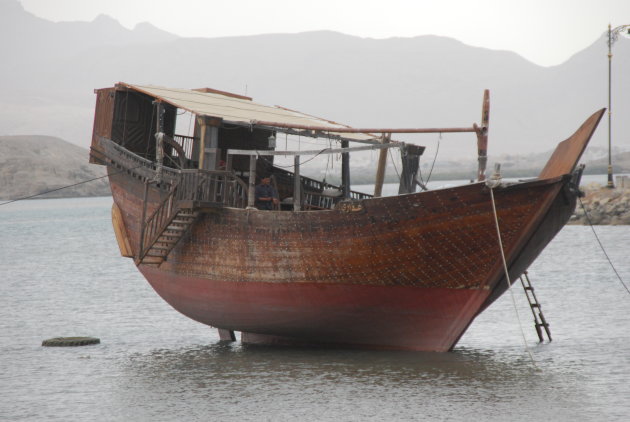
251,197
297,185
202,142
345,170
482,137
380,170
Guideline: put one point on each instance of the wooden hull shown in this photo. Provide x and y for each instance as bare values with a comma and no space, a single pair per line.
408,272
392,317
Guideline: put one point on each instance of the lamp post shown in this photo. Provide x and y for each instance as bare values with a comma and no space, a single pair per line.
613,34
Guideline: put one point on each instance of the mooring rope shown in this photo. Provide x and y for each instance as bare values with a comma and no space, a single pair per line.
588,218
423,184
507,274
65,187
391,158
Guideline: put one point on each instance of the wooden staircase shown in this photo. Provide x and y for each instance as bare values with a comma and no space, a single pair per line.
166,239
193,192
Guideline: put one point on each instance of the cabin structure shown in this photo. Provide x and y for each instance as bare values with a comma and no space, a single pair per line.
235,135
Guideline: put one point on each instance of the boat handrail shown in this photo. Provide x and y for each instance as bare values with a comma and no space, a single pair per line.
186,142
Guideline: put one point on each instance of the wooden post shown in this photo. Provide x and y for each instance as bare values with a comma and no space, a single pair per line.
226,335
482,137
202,140
410,160
159,141
297,185
380,170
345,170
144,218
251,190
209,152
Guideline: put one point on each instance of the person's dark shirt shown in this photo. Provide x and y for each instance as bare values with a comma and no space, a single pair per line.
265,191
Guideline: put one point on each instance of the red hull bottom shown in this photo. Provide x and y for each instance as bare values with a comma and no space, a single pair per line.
374,317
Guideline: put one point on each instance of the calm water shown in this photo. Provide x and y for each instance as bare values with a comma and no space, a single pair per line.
61,275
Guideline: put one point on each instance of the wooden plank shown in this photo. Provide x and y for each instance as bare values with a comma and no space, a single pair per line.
366,131
323,151
252,182
345,170
380,169
297,185
482,137
121,232
568,152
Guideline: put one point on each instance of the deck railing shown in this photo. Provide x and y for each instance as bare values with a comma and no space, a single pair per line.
186,143
313,196
316,186
218,187
122,158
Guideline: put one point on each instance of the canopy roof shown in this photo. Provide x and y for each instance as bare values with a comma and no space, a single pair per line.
242,110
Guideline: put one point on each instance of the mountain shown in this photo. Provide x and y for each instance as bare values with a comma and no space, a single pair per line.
33,164
49,71
621,164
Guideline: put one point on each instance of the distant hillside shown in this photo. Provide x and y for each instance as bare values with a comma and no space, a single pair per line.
621,164
49,70
34,164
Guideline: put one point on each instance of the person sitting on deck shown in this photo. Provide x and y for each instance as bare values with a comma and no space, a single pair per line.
266,195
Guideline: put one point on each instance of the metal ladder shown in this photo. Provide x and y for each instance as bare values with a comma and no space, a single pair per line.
539,319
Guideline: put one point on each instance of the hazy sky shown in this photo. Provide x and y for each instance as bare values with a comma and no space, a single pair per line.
546,32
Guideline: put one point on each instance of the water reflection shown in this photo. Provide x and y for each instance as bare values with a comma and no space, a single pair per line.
235,360
319,384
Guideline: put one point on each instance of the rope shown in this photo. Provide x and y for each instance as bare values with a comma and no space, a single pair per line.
422,183
65,187
391,158
327,161
602,247
437,149
507,274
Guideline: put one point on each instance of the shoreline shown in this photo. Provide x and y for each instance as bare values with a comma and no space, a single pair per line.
605,206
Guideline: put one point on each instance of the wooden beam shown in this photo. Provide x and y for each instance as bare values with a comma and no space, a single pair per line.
380,170
251,189
297,184
313,152
121,232
367,131
345,171
225,93
202,140
482,137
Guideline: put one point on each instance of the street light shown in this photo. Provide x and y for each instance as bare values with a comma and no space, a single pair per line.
613,34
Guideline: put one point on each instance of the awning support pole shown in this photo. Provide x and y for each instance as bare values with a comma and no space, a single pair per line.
380,170
345,170
297,185
251,190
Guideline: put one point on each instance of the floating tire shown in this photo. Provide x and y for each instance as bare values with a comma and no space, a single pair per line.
70,341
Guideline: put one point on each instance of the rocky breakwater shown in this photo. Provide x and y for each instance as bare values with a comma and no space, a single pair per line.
605,206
